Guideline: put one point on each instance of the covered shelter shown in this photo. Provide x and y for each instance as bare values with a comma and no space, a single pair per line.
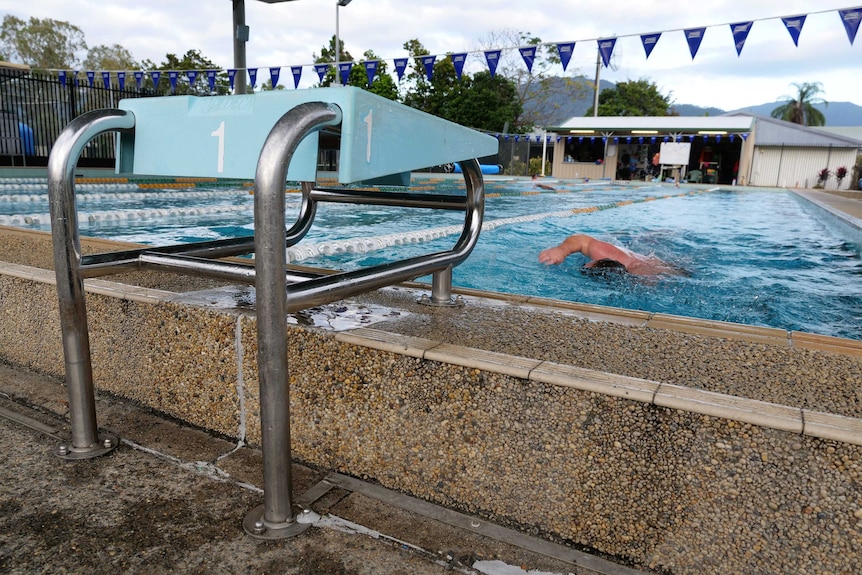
735,148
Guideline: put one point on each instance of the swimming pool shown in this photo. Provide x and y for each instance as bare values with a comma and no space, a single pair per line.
761,258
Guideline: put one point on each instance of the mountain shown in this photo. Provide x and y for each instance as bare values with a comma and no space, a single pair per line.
837,114
560,102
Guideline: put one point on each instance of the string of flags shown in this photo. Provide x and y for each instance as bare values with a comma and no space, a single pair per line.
850,19
616,139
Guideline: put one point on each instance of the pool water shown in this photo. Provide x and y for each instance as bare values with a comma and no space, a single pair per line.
754,257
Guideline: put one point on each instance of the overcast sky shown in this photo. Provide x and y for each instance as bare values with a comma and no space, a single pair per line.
290,33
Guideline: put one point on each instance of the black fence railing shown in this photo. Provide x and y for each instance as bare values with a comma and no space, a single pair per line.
34,109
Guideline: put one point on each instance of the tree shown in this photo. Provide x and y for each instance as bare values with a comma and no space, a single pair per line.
110,58
191,60
800,110
633,98
538,89
41,43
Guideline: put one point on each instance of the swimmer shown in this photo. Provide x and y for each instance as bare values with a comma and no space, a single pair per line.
607,256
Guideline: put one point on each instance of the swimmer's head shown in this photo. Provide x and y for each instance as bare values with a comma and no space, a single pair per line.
604,266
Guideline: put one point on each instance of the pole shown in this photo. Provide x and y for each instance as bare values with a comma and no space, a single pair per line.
598,88
240,37
544,150
337,47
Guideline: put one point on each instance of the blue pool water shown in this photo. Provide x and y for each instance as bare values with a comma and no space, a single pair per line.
755,257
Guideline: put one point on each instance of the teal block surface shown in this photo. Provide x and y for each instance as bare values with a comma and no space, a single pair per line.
221,136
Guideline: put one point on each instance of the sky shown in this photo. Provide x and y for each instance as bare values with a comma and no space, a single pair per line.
292,33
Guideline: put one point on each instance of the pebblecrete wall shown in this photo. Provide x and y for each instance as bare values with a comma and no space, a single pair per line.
598,461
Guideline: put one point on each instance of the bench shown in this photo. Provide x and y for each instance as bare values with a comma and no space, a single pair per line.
271,137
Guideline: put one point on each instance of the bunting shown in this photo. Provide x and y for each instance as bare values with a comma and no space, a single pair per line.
428,62
211,79
606,49
565,51
458,61
850,19
321,70
649,41
344,72
371,70
794,27
493,58
528,54
740,33
694,36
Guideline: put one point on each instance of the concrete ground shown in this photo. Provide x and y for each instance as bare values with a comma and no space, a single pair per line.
171,499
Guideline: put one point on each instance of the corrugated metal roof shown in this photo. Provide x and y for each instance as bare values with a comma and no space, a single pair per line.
773,132
664,124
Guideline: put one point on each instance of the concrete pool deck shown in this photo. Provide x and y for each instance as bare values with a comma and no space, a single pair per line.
177,471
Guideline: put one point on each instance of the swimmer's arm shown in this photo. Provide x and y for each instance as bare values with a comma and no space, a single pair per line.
572,244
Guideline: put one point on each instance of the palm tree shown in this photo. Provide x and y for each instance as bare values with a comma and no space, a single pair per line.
801,110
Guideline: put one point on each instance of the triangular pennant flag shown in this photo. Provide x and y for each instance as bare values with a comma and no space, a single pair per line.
155,75
211,78
297,74
371,70
458,61
565,52
321,70
106,80
606,49
694,36
139,79
91,76
61,75
649,41
740,32
192,75
794,26
428,62
528,53
850,18
400,67
231,78
344,72
493,58
252,76
274,74
121,80
172,78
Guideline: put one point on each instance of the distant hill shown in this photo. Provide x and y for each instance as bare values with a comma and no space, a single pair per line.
560,104
836,113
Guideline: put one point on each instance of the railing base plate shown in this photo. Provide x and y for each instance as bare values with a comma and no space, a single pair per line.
106,444
255,526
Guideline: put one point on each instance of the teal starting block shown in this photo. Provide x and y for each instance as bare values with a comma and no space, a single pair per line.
269,137
222,136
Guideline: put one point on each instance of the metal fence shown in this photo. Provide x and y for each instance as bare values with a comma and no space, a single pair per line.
35,107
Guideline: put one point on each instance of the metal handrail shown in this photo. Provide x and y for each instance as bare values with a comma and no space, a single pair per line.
278,290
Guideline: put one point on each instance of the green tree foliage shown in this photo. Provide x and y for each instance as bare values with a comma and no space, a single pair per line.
110,58
633,98
800,109
191,60
41,43
382,85
539,86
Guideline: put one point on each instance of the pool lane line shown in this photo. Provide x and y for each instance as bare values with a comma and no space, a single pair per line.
301,251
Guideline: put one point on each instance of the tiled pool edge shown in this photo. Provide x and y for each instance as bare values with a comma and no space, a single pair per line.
775,416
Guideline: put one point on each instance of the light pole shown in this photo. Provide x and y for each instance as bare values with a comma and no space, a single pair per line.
240,37
338,4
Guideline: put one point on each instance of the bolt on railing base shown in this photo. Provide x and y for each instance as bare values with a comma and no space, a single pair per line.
254,525
456,301
107,443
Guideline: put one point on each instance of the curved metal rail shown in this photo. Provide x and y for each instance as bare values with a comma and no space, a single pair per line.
279,291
